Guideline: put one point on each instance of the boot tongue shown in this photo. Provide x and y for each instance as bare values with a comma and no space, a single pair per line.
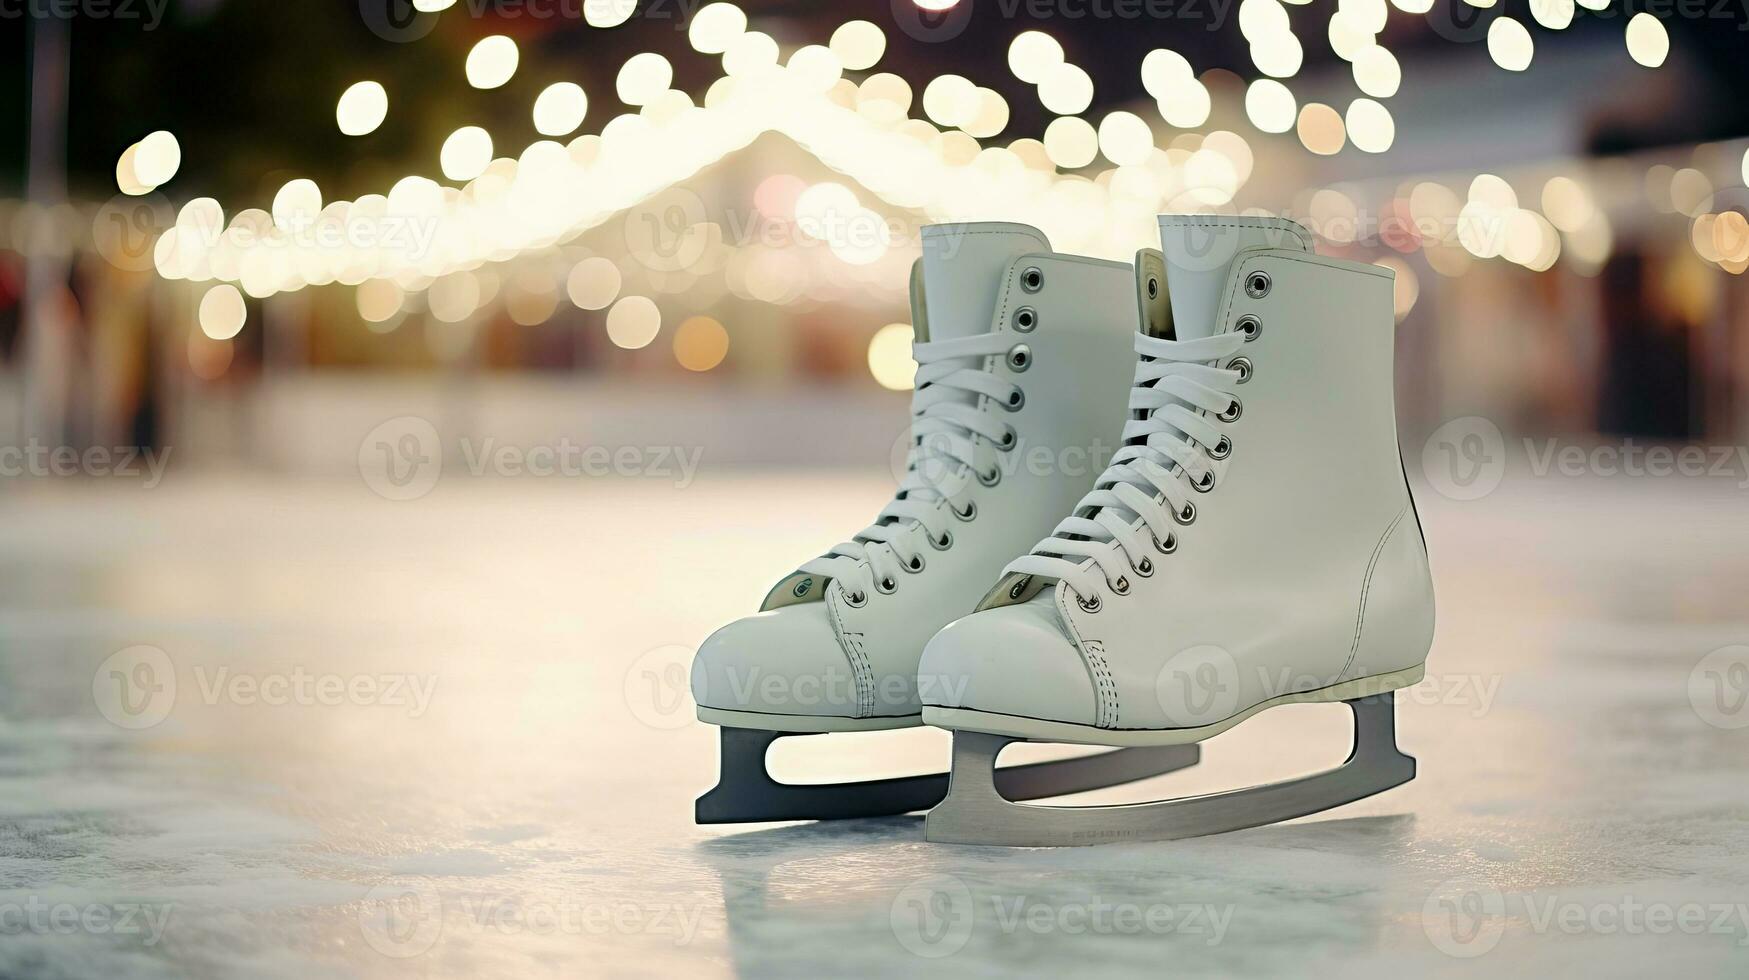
961,274
1201,248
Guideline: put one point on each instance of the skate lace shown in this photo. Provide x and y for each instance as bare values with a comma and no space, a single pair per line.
954,450
1173,449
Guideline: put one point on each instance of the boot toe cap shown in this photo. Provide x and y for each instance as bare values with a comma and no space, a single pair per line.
785,661
1013,660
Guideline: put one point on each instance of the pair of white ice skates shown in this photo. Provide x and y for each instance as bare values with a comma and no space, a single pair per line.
1250,542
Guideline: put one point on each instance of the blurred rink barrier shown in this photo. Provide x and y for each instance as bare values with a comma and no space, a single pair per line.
751,300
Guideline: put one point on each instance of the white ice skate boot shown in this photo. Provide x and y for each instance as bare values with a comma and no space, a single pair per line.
1253,544
1024,357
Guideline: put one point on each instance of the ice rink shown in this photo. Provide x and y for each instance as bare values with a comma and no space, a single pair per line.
448,736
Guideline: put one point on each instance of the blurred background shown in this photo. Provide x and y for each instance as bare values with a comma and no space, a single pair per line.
254,231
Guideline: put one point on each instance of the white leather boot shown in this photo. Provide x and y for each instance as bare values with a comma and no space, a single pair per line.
1023,363
1253,544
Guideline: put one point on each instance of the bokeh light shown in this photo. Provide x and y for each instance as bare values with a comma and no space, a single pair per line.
889,357
362,108
492,61
700,343
633,322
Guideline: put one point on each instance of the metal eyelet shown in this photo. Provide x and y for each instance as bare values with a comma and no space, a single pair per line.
1033,279
1121,586
1025,319
1187,515
1233,412
1257,284
1167,546
1153,288
856,599
886,586
971,511
1088,605
1250,326
915,564
1008,440
1020,585
1204,483
1016,401
944,543
994,478
1222,449
1145,567
1019,357
1243,366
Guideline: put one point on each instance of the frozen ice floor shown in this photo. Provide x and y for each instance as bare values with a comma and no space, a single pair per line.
447,737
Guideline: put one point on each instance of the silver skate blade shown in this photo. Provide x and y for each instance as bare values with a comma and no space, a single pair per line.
976,811
746,792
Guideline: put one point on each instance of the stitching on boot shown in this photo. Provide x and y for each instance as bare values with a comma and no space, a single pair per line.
855,652
1103,684
1106,701
1293,228
1366,586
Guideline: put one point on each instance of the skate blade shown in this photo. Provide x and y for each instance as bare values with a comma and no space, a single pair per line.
747,793
977,811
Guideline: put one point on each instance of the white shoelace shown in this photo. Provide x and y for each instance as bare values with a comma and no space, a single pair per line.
951,442
1170,452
